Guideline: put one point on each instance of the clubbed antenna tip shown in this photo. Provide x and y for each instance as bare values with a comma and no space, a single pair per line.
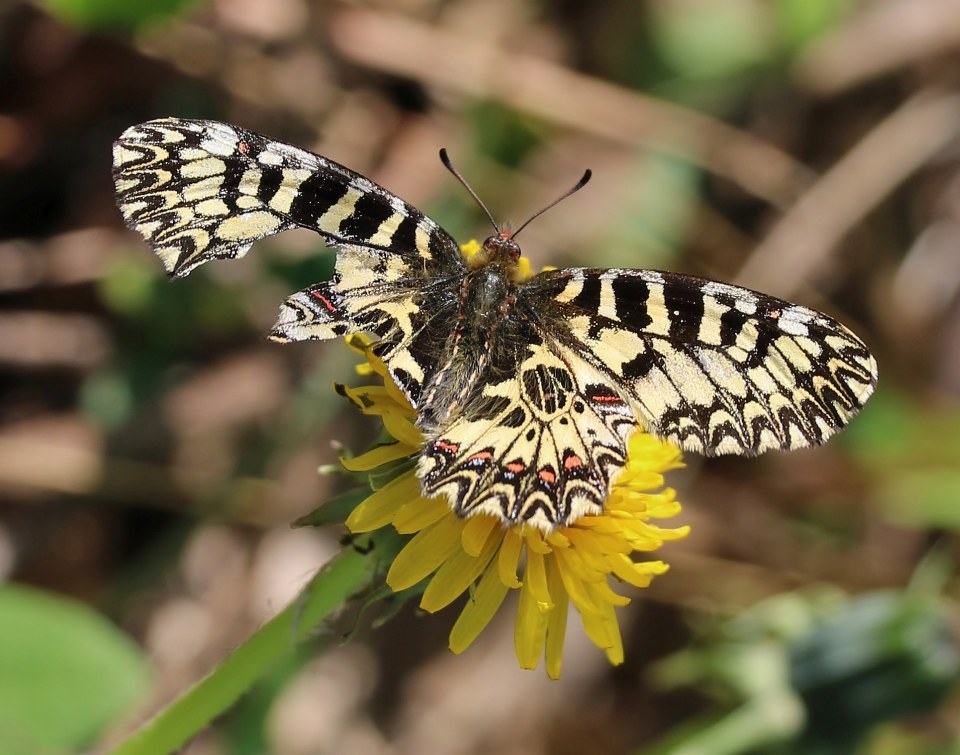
448,164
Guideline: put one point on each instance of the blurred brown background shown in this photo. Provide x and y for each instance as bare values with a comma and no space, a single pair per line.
154,447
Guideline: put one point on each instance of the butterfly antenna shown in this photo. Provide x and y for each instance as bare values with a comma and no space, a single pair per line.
579,185
448,164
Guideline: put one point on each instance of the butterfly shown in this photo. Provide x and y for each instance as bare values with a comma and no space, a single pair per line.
526,390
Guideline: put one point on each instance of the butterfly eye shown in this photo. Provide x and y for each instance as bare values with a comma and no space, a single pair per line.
502,247
495,245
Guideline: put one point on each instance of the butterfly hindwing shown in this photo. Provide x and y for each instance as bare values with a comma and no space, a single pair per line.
712,367
541,446
410,317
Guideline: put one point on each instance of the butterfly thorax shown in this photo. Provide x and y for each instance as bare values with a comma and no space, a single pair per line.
484,321
486,295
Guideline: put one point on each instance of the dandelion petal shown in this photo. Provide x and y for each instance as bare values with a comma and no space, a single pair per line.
482,607
424,553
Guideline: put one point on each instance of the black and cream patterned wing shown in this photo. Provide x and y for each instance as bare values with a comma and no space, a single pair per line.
200,190
712,367
412,323
539,439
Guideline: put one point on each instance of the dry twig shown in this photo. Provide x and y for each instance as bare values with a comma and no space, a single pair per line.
463,64
798,246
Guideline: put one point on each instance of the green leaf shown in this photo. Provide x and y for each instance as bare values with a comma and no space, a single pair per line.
803,20
114,14
66,673
347,574
925,497
655,214
911,452
885,655
334,511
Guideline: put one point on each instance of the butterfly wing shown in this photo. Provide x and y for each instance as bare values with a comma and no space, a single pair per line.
202,190
413,323
541,444
714,368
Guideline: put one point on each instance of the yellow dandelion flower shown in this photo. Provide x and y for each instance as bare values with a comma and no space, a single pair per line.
482,557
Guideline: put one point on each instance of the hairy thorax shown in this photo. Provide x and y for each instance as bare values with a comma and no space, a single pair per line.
484,320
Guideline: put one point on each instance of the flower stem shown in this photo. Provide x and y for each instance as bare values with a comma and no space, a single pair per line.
171,728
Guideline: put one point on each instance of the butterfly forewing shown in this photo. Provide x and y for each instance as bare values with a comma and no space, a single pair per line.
199,190
712,367
526,393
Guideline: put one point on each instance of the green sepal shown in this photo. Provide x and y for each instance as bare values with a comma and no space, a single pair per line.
334,510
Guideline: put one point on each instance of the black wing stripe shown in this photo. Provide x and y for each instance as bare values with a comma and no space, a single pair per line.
719,369
200,190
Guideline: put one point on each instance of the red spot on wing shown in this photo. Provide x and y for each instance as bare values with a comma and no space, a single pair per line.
602,394
323,300
547,476
480,456
243,148
572,462
445,445
606,398
516,467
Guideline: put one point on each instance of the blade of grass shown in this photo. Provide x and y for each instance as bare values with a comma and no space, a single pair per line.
331,587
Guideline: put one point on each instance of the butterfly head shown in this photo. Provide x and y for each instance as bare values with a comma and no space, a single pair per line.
501,248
